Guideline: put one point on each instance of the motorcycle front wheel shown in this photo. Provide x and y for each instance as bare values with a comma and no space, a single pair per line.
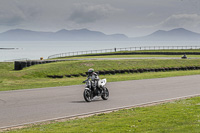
105,94
87,95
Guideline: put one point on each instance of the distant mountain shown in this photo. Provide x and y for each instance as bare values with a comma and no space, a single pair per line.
62,35
24,35
179,34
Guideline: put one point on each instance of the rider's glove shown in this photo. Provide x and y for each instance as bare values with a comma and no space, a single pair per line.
83,81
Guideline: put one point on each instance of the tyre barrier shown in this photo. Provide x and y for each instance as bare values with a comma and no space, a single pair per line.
131,71
107,72
55,76
140,70
50,76
100,73
23,64
75,75
58,76
28,63
127,71
117,71
122,71
113,72
83,75
69,76
19,65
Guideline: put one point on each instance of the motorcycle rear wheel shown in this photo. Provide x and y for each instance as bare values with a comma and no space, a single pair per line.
87,95
105,94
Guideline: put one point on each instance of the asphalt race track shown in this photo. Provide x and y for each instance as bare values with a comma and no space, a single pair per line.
34,105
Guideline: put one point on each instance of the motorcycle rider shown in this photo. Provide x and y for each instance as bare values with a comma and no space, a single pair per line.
94,77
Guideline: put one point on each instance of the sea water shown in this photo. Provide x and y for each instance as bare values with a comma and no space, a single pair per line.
35,50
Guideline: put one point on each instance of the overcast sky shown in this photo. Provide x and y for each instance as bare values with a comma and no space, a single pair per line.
130,17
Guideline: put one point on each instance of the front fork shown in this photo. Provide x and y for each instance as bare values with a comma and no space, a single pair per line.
91,92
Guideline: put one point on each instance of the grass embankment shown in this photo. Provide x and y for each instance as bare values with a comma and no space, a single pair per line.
76,67
129,54
36,76
182,116
162,50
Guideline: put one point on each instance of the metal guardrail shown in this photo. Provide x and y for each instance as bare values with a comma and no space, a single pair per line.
122,49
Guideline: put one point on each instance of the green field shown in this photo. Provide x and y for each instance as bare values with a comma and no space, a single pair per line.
182,116
128,56
36,76
120,54
76,67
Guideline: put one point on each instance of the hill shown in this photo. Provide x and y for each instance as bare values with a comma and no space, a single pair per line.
179,34
62,35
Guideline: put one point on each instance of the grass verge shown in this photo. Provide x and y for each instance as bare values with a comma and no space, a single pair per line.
129,56
181,116
36,76
76,67
119,54
29,83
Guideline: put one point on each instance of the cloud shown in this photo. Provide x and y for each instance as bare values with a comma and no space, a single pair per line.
10,19
13,13
181,20
9,14
86,13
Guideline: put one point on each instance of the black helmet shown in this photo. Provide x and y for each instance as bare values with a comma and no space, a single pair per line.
90,71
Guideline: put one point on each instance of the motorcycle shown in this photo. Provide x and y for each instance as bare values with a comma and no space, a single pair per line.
100,90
